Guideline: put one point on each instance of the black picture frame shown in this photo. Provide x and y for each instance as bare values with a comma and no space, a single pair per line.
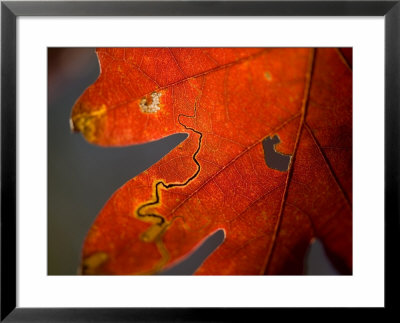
10,10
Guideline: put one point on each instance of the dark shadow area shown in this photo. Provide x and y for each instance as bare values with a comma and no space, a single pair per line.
317,261
190,264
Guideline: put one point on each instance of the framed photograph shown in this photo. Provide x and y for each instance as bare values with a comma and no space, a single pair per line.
273,131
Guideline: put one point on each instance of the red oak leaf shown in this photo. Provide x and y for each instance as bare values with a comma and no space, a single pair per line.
268,158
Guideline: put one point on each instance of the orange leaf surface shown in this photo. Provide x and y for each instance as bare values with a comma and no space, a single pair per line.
246,111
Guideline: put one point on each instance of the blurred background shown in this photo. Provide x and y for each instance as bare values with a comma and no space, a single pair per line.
82,177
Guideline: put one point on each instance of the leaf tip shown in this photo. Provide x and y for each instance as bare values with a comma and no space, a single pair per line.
87,123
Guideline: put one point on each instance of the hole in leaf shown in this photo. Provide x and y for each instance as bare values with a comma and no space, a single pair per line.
193,261
273,158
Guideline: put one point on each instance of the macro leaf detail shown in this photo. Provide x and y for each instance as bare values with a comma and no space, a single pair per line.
246,112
